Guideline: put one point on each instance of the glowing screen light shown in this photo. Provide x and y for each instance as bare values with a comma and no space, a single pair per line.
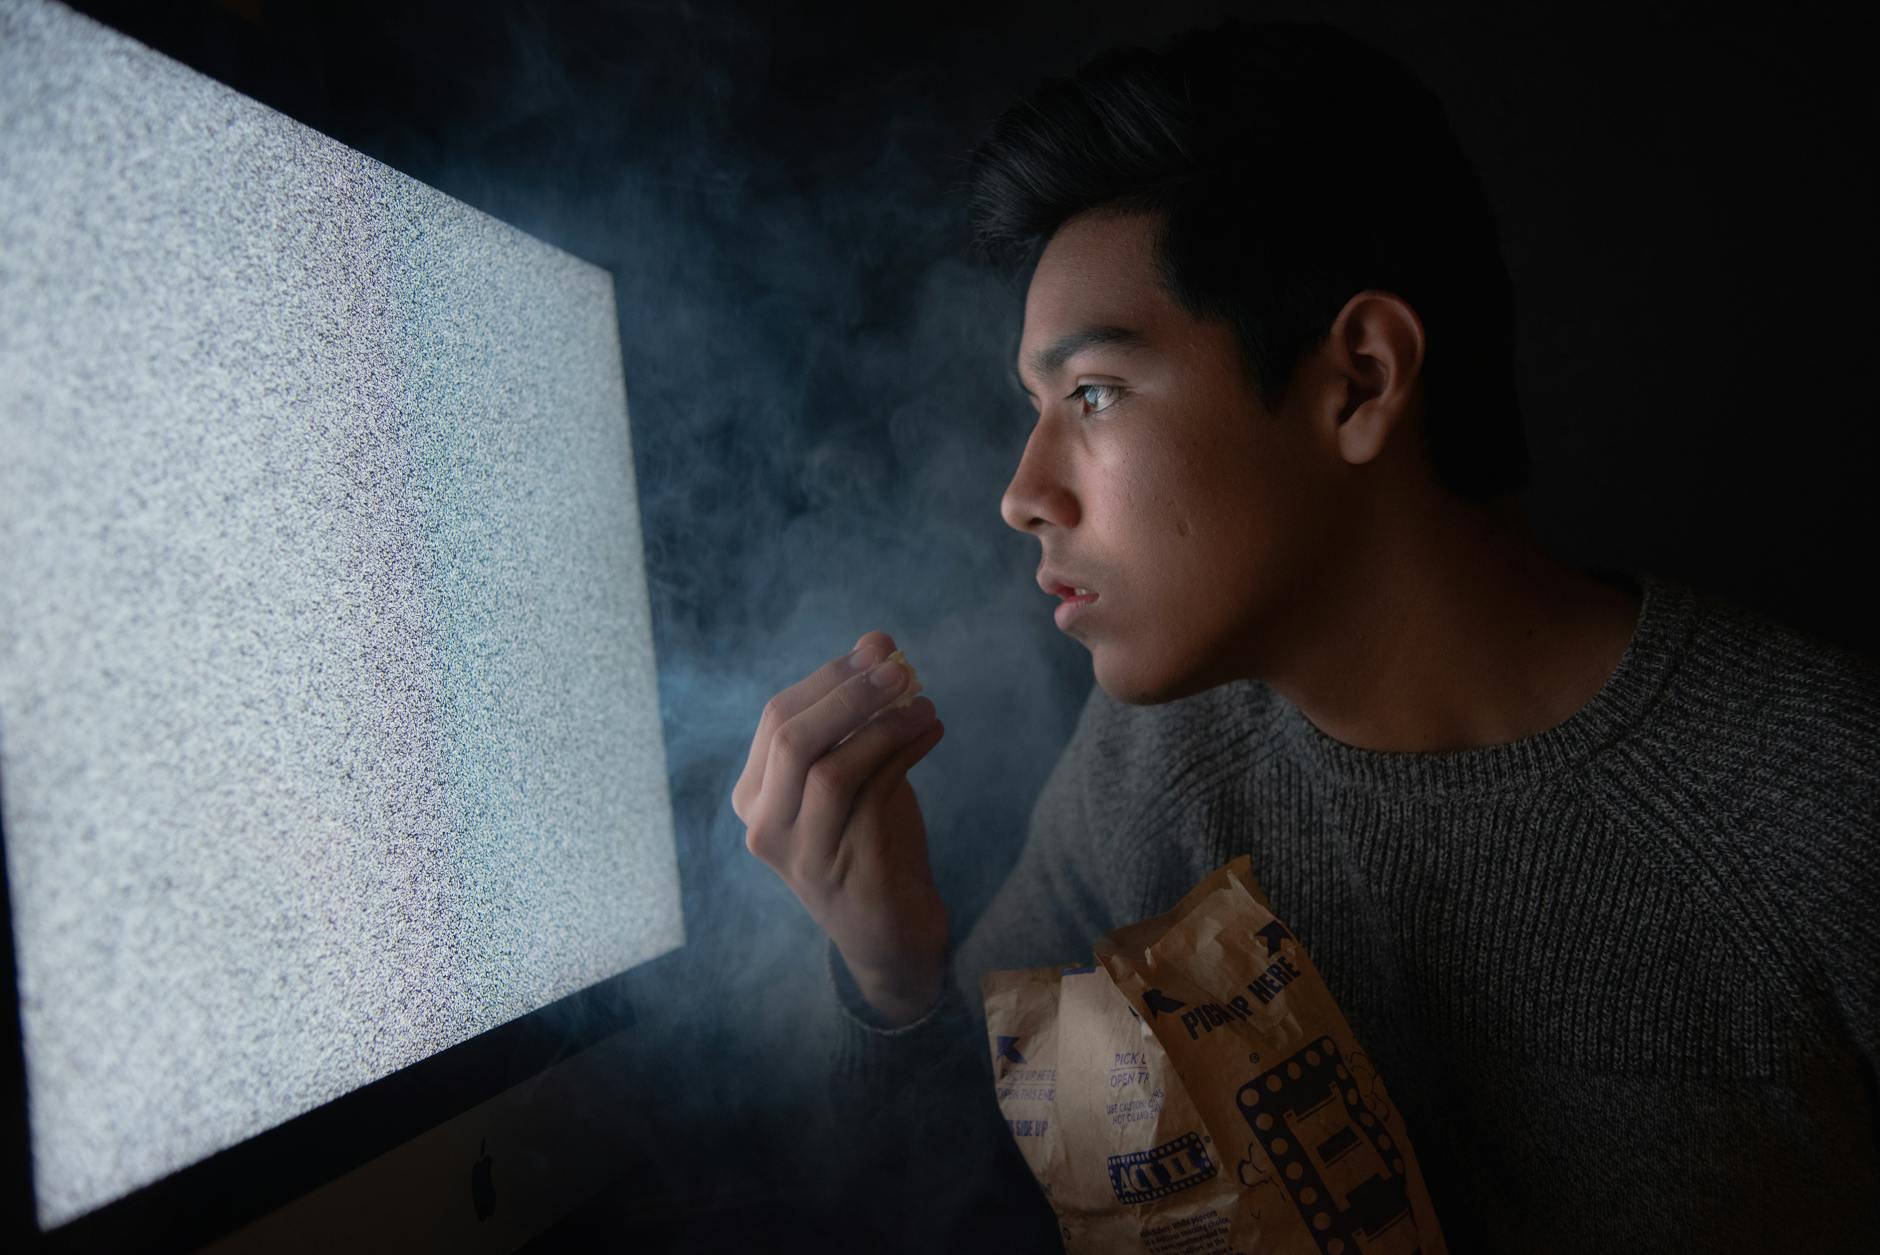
329,721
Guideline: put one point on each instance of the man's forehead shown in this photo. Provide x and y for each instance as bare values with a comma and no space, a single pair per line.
1094,260
1096,283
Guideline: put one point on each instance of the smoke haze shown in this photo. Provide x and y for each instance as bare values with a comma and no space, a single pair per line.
818,367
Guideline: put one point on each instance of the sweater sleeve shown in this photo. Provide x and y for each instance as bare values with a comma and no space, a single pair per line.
1057,899
923,1092
1774,742
1829,865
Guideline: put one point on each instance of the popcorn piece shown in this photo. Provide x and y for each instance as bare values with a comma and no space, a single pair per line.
913,682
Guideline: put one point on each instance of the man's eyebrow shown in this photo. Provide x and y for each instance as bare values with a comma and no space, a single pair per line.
1048,360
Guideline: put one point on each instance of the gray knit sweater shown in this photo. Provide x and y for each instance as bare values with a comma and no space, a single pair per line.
1621,977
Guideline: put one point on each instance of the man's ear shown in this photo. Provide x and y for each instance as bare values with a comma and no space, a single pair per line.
1375,352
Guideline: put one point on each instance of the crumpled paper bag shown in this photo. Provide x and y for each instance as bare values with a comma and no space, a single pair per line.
1100,1117
1200,1093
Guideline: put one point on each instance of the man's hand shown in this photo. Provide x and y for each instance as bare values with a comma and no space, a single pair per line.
826,804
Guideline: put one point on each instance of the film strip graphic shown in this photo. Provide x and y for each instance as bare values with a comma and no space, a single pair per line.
1338,1164
1143,1175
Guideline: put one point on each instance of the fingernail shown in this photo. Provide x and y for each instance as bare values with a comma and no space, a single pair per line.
864,657
889,675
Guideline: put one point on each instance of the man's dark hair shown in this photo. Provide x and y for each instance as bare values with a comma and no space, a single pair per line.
1291,166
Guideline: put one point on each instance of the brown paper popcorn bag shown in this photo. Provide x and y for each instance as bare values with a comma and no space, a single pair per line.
1099,1116
1279,1080
1304,1152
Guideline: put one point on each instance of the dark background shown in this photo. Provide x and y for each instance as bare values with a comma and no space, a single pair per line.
816,367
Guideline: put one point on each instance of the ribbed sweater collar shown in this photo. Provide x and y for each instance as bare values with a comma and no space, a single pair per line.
1666,617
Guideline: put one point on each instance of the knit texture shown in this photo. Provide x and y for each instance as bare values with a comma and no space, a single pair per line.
1622,977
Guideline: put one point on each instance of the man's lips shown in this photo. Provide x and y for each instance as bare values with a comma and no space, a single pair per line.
1057,586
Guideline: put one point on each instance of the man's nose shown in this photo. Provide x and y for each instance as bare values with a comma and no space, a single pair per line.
1037,493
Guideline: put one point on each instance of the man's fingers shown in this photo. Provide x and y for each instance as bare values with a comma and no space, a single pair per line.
786,706
840,780
810,734
912,750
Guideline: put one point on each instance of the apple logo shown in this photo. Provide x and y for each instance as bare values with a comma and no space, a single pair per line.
483,1182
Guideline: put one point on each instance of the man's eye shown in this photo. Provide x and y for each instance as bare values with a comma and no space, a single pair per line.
1096,397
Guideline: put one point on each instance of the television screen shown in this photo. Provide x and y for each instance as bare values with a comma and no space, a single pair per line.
329,720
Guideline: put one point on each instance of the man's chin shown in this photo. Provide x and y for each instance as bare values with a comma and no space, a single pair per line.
1140,686
1132,686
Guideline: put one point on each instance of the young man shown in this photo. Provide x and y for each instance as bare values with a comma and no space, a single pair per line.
1587,861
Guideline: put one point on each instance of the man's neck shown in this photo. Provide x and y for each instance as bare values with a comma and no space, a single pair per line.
1456,633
